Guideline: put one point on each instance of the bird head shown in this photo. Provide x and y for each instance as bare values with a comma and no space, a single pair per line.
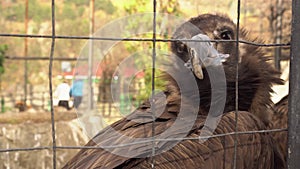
197,42
219,51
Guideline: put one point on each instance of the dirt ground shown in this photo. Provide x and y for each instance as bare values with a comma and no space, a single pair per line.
60,114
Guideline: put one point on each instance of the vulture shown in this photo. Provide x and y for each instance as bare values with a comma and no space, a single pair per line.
191,124
280,121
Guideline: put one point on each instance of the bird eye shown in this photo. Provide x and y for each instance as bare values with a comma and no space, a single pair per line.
180,47
226,35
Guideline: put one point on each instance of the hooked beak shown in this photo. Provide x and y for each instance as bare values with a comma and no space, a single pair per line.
203,54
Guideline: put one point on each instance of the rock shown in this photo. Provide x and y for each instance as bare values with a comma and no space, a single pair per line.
29,134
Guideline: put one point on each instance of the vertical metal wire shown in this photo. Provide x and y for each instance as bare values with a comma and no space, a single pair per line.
153,85
26,53
50,83
237,82
90,57
278,32
294,88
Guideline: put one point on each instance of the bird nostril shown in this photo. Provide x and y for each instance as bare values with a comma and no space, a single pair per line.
226,35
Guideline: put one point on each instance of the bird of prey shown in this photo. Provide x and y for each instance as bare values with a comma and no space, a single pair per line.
171,138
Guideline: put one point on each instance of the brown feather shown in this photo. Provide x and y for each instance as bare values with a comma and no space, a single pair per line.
280,121
255,150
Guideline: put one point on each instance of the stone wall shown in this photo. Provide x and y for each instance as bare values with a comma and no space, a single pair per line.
25,135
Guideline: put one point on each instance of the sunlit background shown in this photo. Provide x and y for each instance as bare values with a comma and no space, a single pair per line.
24,63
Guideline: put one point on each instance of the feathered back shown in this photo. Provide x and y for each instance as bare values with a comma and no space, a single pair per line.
253,150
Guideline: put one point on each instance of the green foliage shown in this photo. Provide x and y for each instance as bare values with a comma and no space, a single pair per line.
170,7
69,12
136,6
39,12
36,11
159,85
80,10
145,22
104,5
14,13
143,59
3,49
77,2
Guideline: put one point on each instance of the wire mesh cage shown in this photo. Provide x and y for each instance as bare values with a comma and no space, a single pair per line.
120,66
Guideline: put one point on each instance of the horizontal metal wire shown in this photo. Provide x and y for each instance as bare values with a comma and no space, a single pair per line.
43,58
25,149
140,39
142,142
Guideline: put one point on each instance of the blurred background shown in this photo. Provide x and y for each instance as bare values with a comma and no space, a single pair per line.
24,66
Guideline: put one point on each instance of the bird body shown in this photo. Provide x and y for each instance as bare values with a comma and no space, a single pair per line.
141,141
253,150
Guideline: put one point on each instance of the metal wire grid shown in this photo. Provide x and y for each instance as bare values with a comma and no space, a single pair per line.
153,40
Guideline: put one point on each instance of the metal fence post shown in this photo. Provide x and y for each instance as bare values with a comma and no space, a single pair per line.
294,97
